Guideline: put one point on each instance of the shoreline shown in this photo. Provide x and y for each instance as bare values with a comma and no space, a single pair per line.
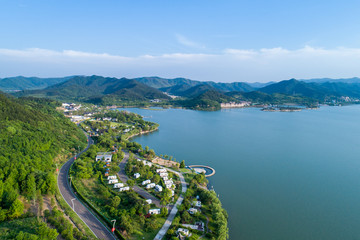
141,133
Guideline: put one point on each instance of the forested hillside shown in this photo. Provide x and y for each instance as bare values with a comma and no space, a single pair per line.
32,135
23,83
98,90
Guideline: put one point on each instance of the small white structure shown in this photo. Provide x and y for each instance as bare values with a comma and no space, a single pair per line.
154,211
104,156
136,175
197,203
111,177
161,170
168,182
147,163
158,188
192,210
151,185
165,178
118,185
112,181
146,182
172,193
149,201
124,189
169,186
183,232
165,174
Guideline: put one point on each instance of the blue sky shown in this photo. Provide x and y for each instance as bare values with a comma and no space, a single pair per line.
205,40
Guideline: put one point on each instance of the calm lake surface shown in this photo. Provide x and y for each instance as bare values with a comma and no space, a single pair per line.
279,175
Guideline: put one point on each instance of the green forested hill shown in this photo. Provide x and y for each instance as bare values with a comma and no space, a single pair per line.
184,90
23,83
98,90
160,83
209,100
32,135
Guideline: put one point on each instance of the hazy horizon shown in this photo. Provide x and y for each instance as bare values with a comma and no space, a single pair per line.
174,78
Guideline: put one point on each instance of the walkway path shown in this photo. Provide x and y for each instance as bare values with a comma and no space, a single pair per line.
99,230
123,177
174,210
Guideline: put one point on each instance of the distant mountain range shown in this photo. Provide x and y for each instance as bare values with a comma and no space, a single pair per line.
98,90
28,83
194,94
189,88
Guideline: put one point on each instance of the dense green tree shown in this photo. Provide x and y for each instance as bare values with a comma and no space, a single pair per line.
115,202
16,209
156,179
164,211
130,182
182,164
30,186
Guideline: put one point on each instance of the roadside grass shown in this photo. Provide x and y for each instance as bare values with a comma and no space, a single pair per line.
74,217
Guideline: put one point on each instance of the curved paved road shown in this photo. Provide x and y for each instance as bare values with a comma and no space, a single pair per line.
123,177
99,230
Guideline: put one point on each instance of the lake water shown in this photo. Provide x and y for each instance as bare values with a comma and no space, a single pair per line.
279,175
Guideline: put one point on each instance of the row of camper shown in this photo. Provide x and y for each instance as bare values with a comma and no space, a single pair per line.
113,180
164,175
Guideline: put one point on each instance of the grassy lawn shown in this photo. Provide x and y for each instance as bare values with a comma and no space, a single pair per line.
184,170
148,235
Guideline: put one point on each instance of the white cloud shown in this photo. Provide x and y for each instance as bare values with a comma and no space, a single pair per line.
270,64
187,42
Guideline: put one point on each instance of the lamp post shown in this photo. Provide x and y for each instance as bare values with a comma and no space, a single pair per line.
70,181
113,228
72,201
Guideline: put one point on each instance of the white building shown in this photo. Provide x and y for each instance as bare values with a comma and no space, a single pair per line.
154,211
197,203
118,185
169,186
149,201
151,185
136,175
146,182
165,174
165,178
104,156
111,177
168,182
192,210
158,188
161,170
172,193
112,181
147,163
183,231
124,189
